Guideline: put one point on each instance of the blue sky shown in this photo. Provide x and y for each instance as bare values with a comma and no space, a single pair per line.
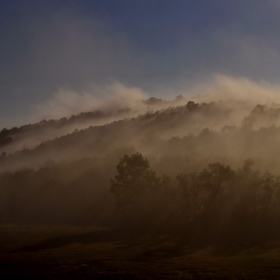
159,46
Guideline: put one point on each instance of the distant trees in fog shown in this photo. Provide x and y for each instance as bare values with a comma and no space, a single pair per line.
193,184
215,203
220,202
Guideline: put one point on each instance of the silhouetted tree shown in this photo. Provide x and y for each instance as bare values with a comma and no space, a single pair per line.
134,177
215,175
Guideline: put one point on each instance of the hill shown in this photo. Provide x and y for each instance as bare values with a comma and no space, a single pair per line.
201,157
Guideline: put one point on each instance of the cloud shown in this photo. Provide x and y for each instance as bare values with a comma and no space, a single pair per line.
106,98
110,98
223,87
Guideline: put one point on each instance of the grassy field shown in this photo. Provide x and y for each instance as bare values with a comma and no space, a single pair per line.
60,252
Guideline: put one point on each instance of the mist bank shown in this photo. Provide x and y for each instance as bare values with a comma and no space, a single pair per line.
183,146
230,131
31,135
215,204
69,111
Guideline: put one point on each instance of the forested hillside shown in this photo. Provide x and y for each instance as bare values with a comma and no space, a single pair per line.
180,167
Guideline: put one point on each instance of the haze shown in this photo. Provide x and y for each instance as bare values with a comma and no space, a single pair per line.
139,138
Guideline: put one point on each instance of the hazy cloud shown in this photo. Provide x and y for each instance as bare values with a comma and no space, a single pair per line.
225,87
115,96
108,98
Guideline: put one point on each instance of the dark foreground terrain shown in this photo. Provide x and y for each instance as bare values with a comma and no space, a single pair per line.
52,252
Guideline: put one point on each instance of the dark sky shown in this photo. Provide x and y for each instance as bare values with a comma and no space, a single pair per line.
159,46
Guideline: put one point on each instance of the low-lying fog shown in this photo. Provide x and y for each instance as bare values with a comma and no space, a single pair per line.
217,142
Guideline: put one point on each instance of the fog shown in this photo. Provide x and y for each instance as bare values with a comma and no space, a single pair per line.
139,139
219,141
116,101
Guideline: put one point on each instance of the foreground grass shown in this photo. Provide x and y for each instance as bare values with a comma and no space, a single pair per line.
60,252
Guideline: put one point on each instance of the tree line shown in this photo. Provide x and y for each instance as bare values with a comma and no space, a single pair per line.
217,203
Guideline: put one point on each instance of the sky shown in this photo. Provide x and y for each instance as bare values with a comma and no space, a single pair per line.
159,47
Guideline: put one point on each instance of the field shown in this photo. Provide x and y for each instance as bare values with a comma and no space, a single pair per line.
61,252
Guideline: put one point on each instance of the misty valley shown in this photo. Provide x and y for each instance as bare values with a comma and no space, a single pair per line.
180,189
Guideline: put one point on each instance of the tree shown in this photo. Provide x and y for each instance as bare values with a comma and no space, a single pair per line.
133,179
214,176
